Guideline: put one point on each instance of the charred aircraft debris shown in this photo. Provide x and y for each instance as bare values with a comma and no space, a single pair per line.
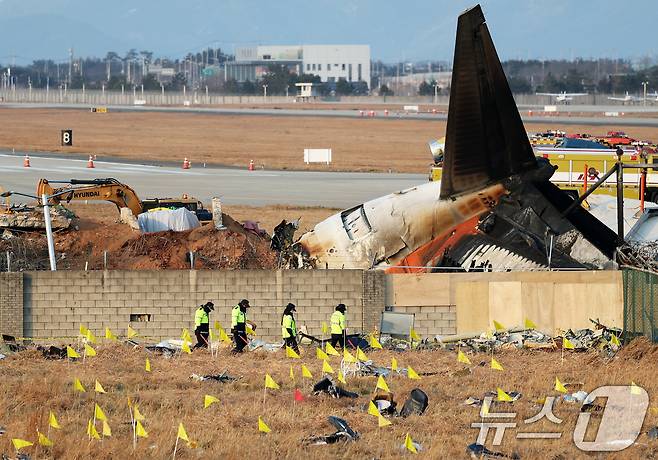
495,210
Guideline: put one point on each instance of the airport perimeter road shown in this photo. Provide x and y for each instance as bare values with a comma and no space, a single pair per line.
233,186
561,119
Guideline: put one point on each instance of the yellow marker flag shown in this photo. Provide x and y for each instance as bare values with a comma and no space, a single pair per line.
208,400
462,358
382,422
92,431
326,368
292,374
213,336
489,334
217,326
341,378
348,357
186,348
394,364
360,355
89,351
109,334
185,335
320,354
131,332
381,384
290,353
374,343
107,431
147,367
496,365
529,324
182,434
98,388
306,373
635,390
71,353
44,441
409,444
372,409
137,415
77,385
83,330
559,387
262,426
223,337
503,397
90,336
614,340
98,413
414,335
325,329
412,374
331,351
270,383
566,343
498,326
52,421
249,330
20,443
140,431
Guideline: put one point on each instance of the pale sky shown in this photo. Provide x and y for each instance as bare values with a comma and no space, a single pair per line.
396,30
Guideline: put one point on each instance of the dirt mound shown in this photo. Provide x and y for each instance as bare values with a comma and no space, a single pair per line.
232,248
639,349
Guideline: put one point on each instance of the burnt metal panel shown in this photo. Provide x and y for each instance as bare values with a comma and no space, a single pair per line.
485,138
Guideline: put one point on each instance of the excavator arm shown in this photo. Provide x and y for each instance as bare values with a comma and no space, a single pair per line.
93,189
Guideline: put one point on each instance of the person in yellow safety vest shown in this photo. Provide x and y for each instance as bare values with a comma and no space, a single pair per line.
202,324
289,327
338,326
239,325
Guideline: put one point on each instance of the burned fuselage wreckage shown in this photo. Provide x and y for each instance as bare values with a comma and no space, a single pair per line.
495,208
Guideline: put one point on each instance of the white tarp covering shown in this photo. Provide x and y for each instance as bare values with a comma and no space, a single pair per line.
177,220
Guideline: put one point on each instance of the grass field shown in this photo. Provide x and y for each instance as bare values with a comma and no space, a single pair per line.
368,144
32,386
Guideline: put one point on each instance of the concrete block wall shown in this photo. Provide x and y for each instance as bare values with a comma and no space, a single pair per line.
432,320
11,304
56,303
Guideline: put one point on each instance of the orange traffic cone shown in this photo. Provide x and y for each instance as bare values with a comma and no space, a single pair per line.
26,161
251,165
186,164
90,162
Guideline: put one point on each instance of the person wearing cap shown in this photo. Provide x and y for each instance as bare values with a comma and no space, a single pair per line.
202,324
239,325
338,326
289,327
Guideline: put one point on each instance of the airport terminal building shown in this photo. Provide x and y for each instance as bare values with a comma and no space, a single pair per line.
329,62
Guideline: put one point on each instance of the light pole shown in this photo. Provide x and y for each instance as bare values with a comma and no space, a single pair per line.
436,92
644,85
264,92
46,218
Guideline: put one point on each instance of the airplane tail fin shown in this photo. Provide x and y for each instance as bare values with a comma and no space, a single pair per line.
485,139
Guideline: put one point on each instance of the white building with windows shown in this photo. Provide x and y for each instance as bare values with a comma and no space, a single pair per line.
329,62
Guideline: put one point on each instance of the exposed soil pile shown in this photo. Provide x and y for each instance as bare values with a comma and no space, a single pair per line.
90,243
233,248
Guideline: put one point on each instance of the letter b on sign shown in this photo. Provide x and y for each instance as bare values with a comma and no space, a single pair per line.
67,137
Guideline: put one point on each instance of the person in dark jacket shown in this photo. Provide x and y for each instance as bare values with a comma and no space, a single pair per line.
202,324
289,327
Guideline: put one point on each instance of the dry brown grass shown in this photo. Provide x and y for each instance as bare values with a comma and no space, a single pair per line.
369,144
32,386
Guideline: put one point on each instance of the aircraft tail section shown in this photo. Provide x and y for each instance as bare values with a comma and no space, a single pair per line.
486,141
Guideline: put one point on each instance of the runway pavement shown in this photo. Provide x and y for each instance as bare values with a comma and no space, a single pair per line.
233,186
563,117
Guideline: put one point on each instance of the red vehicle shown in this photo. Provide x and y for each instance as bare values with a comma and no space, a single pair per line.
615,138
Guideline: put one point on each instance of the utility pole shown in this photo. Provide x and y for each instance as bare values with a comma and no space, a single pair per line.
264,92
70,65
644,99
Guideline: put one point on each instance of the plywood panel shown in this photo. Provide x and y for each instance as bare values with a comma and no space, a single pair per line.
472,302
505,305
420,289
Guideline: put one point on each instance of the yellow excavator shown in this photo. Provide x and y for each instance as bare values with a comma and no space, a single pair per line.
122,195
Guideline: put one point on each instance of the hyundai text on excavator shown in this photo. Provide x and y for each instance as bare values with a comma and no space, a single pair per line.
122,195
